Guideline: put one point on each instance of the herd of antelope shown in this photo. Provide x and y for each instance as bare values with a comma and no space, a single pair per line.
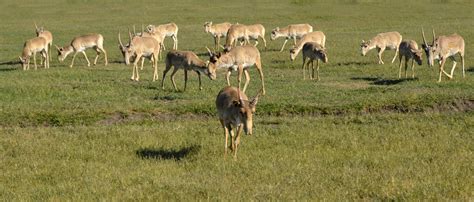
234,108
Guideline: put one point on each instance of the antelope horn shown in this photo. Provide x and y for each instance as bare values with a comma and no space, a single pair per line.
129,36
209,51
36,26
143,28
57,47
423,34
434,35
120,40
242,103
134,32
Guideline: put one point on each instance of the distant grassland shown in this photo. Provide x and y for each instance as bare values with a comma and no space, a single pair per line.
360,133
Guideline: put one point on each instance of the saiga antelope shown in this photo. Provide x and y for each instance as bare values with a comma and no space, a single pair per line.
31,47
154,35
313,51
141,47
294,31
79,45
316,36
235,110
236,32
188,61
166,30
238,59
382,41
255,32
409,50
41,32
442,48
217,31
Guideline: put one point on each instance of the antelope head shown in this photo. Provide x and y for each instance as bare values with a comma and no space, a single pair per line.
213,59
364,47
323,55
246,109
273,35
293,53
63,52
418,56
24,60
429,49
207,26
39,30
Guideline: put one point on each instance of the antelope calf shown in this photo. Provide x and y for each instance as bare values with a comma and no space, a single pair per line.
235,110
187,61
255,32
313,51
79,45
382,41
166,30
139,47
442,48
217,31
294,31
316,36
41,32
31,47
409,50
238,59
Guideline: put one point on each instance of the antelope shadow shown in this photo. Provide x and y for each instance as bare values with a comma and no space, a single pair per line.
168,154
381,81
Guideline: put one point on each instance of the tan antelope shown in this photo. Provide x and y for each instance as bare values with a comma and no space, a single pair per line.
409,50
313,51
144,33
188,61
217,31
141,47
235,111
382,41
79,45
255,32
442,48
41,32
31,47
294,31
236,33
166,30
316,36
238,59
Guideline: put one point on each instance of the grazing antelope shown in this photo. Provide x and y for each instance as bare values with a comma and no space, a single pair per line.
31,47
442,48
238,59
187,61
409,50
313,51
79,44
41,32
141,47
235,110
387,40
236,32
294,31
316,36
166,30
255,32
217,31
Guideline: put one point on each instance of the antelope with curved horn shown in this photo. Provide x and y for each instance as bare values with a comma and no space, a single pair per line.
141,47
409,50
31,47
166,30
235,110
316,36
238,59
217,31
442,48
188,61
382,41
294,31
41,32
79,45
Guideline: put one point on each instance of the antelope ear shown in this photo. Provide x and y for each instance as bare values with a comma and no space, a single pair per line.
362,41
277,29
207,63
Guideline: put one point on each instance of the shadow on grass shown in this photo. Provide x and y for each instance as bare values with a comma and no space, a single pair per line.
168,154
353,63
470,69
383,82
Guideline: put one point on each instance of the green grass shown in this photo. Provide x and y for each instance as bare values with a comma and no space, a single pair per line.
359,133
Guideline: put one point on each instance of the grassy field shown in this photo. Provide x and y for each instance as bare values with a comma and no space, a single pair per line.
360,133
